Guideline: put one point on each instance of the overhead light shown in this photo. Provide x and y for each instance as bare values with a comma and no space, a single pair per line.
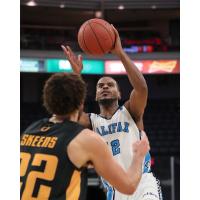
31,3
153,7
121,7
62,5
98,14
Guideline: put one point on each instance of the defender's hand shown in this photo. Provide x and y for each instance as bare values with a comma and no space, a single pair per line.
141,147
117,49
76,62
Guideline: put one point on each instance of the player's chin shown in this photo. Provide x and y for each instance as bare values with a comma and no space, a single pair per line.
106,101
105,98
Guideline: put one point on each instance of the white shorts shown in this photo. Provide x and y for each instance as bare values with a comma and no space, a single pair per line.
148,189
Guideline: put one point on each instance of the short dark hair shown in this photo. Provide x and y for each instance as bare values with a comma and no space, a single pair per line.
63,93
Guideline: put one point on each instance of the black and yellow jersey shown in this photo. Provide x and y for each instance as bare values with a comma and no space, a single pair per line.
46,173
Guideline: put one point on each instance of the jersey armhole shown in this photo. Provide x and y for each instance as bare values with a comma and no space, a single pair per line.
128,113
140,132
91,125
76,168
68,158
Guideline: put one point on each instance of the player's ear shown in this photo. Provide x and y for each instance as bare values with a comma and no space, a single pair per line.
81,107
80,110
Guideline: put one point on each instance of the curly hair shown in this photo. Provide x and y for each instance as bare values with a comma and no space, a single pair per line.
63,93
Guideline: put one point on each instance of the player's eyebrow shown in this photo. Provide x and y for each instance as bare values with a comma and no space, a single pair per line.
100,84
108,83
111,83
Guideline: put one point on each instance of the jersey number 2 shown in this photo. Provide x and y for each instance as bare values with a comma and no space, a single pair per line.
115,147
48,174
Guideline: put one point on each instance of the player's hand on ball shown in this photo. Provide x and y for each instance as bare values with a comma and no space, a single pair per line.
141,147
75,61
117,49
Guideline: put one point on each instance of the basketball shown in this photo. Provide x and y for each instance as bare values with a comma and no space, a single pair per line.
96,37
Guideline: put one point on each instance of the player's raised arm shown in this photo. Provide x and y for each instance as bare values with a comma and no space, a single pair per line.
77,66
138,97
91,147
75,61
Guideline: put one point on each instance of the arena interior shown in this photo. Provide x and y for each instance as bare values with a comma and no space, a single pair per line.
150,34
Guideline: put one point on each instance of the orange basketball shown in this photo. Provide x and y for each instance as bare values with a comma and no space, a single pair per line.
96,37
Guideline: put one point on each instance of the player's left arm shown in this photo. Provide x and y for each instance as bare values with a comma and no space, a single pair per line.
76,63
138,97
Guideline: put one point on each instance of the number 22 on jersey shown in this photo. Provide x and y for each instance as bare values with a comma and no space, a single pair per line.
48,174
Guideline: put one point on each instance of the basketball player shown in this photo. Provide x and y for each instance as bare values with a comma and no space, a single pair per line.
120,126
55,152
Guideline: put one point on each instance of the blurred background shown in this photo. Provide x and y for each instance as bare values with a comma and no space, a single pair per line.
150,34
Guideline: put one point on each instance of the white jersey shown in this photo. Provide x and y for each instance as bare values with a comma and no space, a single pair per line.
119,132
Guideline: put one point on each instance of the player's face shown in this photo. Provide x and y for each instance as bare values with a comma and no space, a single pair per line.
107,89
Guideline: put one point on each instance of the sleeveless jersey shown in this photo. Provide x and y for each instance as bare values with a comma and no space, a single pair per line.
46,173
119,132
